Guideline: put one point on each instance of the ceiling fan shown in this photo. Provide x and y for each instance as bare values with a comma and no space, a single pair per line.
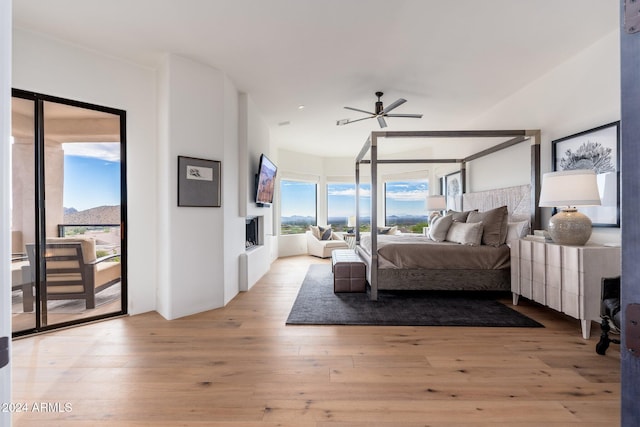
380,113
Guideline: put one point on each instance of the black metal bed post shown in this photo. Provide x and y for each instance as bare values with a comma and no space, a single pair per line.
357,202
536,220
374,216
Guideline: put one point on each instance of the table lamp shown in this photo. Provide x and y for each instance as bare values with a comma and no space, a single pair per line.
435,204
351,223
568,189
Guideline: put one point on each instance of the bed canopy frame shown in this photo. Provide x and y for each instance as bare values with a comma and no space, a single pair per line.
510,137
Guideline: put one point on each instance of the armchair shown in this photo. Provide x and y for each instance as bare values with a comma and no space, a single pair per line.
73,271
323,248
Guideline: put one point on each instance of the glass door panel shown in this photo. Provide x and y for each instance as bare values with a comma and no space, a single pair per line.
23,218
82,170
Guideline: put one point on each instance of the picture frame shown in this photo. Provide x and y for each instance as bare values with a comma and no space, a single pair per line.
452,190
597,149
199,182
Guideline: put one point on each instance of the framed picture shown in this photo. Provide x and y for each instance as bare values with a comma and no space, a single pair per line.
597,149
453,191
198,182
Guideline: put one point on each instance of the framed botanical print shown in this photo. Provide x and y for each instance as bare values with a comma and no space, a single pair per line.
597,149
452,190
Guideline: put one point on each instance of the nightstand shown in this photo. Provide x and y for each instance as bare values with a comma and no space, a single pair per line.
564,278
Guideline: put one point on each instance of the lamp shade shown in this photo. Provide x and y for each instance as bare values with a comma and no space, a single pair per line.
577,187
351,221
436,203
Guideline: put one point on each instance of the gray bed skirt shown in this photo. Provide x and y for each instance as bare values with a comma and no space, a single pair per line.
439,280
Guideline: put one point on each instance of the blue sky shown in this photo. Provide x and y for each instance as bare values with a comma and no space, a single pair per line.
403,198
91,175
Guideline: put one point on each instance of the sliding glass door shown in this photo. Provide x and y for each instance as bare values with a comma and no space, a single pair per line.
68,213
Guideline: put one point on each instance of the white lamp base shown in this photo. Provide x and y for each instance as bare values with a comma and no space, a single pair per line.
570,227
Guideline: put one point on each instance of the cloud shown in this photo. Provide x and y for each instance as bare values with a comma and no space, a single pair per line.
349,192
408,196
108,151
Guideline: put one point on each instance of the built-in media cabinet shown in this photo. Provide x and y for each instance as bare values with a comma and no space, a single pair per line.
565,278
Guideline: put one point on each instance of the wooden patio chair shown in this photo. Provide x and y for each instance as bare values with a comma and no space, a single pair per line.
73,271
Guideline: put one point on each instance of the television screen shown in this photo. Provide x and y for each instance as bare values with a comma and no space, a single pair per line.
266,181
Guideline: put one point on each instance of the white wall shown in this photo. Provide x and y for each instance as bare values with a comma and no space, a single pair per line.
84,75
5,205
580,94
191,243
181,260
234,223
254,140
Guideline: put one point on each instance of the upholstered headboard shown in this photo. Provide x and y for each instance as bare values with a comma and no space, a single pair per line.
517,199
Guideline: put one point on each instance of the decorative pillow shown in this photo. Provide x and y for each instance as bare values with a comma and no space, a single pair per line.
439,228
315,231
495,225
517,230
465,233
460,216
320,233
325,233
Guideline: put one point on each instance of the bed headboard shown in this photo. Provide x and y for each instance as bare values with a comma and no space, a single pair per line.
517,199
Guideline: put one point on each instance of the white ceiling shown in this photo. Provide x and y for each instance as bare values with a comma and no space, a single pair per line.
451,60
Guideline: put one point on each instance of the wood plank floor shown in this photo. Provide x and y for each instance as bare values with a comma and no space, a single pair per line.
241,366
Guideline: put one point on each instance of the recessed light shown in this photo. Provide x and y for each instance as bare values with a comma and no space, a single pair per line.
284,123
300,107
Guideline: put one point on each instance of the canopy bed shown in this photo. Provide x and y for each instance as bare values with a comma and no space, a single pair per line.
398,262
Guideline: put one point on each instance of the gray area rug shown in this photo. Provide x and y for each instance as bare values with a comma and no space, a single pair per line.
317,304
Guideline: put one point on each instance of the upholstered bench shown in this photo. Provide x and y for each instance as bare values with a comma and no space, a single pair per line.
349,271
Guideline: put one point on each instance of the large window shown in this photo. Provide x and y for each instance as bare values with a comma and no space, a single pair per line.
341,206
298,208
405,204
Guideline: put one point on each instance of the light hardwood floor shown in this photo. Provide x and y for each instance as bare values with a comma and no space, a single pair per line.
241,366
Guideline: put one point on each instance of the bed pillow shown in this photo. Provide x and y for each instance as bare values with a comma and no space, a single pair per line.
517,230
465,233
388,230
460,216
438,230
495,221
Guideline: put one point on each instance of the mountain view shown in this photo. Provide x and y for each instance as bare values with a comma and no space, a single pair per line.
97,215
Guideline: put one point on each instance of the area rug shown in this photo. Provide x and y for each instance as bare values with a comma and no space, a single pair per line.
317,304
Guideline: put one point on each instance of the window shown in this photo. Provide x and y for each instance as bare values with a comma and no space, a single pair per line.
341,205
297,206
405,204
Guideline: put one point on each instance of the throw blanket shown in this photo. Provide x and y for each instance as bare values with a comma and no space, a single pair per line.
417,251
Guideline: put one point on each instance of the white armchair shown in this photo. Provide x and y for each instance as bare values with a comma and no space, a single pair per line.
323,248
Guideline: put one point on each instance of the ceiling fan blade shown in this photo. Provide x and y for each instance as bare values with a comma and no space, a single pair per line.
415,116
393,105
381,122
361,111
347,121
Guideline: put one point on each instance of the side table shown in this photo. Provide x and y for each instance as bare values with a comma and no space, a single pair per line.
565,278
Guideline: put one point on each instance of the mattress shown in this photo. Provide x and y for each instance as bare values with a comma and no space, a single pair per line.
415,251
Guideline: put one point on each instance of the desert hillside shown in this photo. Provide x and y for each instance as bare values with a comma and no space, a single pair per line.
99,215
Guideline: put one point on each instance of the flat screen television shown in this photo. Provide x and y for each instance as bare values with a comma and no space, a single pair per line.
266,181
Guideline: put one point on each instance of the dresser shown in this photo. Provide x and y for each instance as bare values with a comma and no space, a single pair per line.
564,278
